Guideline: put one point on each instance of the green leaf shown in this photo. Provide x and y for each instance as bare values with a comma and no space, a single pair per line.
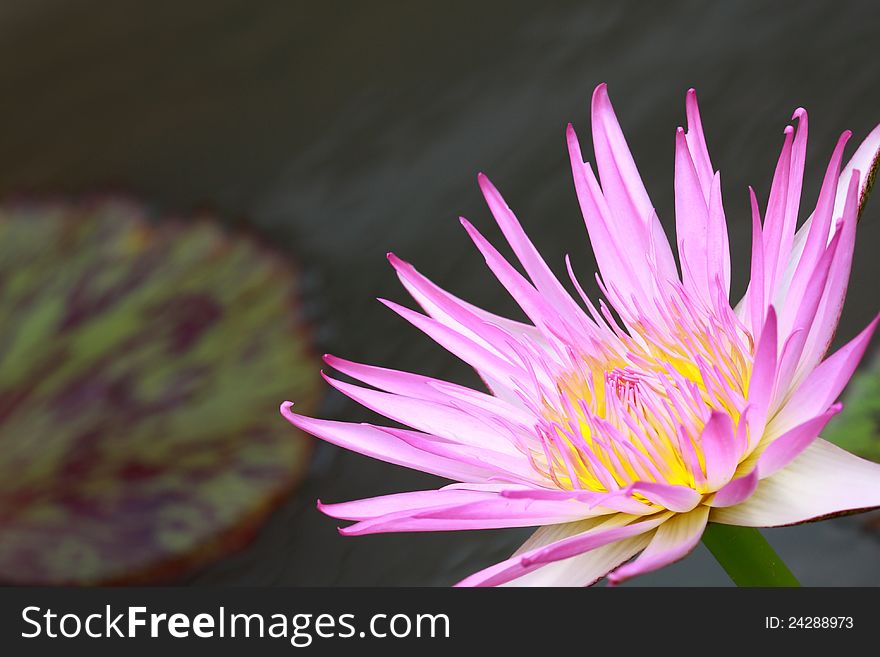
857,427
141,368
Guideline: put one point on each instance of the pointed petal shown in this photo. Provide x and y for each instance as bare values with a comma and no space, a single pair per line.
424,387
476,428
830,306
673,540
691,221
763,377
375,507
543,278
376,443
456,510
784,449
696,142
719,450
823,480
756,294
717,244
824,384
621,182
616,262
865,161
736,491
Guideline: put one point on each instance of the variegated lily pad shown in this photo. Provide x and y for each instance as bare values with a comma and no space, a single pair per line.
140,371
857,428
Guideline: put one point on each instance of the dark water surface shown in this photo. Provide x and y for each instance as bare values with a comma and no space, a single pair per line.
342,131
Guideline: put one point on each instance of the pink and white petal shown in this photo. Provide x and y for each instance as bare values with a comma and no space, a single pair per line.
864,160
373,441
585,569
797,334
581,538
719,444
582,570
823,480
815,238
672,541
824,384
784,449
830,306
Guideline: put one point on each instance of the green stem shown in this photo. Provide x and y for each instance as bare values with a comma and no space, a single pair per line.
747,556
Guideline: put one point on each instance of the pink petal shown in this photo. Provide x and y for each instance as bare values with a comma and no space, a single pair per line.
376,443
691,221
784,449
543,278
374,507
824,384
535,306
737,490
473,427
617,260
817,232
823,480
717,244
763,377
673,540
623,188
478,357
719,450
830,306
756,294
669,496
455,510
621,182
696,142
423,387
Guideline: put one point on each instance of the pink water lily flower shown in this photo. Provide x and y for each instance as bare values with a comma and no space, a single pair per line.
622,428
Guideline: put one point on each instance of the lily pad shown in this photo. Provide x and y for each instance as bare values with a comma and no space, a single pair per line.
141,366
857,427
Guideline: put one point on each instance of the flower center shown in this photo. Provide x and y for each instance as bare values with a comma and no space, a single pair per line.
639,415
